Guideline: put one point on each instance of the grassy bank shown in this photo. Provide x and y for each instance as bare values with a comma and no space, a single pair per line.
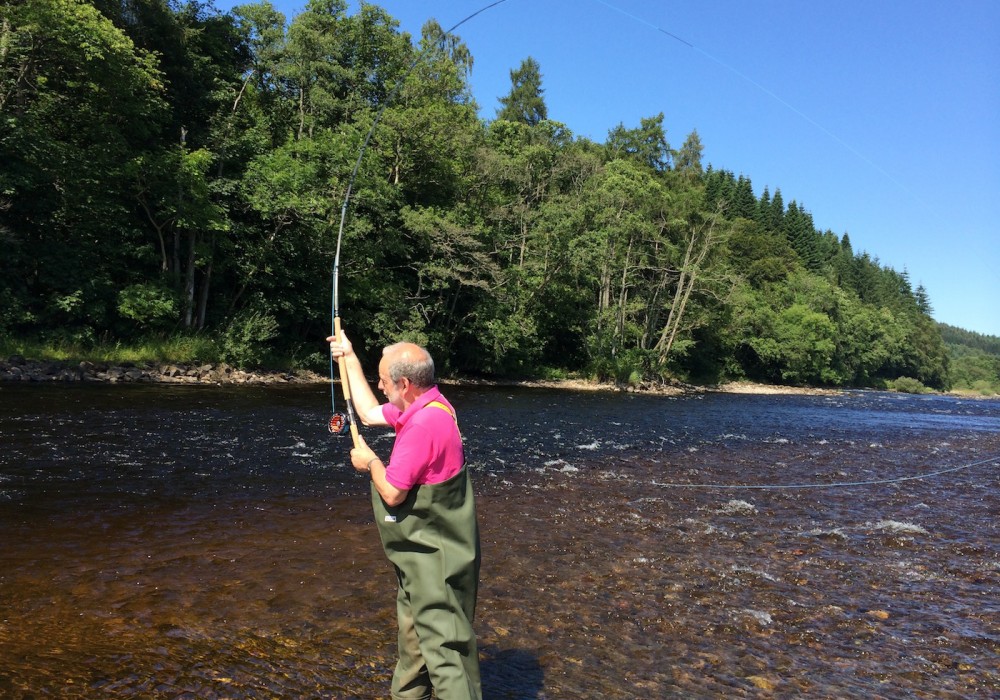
197,350
181,350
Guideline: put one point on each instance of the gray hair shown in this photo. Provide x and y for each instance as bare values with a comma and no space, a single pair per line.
410,361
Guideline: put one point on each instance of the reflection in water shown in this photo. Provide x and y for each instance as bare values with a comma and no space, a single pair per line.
210,543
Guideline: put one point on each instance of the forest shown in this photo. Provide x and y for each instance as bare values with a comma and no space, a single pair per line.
170,170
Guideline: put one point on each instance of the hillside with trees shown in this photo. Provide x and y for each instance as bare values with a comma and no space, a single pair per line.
171,170
974,360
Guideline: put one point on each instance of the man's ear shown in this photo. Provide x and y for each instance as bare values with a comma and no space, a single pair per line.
408,388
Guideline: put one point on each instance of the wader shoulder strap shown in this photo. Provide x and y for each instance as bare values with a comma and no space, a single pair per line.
438,404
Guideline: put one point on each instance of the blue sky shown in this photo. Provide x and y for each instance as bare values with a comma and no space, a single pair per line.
881,118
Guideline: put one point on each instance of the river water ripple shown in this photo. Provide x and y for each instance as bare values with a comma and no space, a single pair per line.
210,542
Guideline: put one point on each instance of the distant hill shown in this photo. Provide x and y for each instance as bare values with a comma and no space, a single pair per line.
974,359
990,344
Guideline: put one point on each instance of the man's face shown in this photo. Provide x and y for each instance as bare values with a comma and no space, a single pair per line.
389,388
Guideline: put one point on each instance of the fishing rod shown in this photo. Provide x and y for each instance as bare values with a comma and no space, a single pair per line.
340,423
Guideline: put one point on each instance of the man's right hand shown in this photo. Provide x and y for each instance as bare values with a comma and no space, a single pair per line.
340,347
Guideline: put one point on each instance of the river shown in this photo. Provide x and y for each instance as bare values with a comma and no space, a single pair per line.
210,542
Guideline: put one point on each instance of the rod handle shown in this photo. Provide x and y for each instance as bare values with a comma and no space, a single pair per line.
345,385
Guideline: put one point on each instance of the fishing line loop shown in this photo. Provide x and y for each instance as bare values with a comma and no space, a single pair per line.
838,484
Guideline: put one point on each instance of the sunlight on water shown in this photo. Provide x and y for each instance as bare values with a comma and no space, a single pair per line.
162,543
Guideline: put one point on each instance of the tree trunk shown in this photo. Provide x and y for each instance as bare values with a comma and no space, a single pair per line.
623,293
189,284
205,283
699,246
302,112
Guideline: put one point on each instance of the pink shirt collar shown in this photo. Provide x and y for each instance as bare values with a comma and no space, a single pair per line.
432,394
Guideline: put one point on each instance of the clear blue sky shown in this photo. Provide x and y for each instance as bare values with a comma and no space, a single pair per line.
881,118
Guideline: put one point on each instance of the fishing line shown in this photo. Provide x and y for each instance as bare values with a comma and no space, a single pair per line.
766,91
340,423
839,484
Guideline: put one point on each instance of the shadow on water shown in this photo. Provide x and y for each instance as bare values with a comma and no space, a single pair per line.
511,674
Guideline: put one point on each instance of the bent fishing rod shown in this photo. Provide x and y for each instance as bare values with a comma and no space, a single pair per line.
340,423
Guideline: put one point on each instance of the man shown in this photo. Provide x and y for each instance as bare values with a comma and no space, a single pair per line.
426,517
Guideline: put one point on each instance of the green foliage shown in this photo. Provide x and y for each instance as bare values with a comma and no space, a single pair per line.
629,368
246,340
805,345
989,344
180,348
974,360
688,158
648,144
78,100
977,372
170,167
510,345
150,305
524,103
908,385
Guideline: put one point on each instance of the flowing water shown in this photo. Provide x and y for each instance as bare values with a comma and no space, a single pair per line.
210,542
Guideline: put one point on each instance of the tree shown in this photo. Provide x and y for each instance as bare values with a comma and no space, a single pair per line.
628,203
524,103
315,66
78,101
801,234
521,170
761,256
923,300
773,219
647,144
703,235
433,124
173,189
743,203
688,158
806,342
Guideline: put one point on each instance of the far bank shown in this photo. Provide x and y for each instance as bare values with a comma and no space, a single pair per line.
20,369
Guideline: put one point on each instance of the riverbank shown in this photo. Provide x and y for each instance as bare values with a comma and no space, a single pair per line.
20,369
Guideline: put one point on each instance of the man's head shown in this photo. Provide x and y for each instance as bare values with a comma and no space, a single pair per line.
405,372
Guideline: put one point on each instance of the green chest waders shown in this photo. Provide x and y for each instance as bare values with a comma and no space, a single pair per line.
432,539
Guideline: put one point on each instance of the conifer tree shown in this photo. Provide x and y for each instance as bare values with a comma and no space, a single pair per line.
923,300
801,234
776,216
744,204
764,206
688,159
647,144
525,103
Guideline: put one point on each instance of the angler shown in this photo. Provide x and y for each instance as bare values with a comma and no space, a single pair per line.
426,516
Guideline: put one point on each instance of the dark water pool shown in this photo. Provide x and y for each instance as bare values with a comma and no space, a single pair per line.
164,542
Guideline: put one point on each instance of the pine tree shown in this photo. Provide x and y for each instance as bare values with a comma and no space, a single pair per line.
688,159
524,103
923,300
764,206
776,217
647,144
801,234
744,204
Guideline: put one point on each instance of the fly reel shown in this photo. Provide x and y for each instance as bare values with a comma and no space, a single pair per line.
339,424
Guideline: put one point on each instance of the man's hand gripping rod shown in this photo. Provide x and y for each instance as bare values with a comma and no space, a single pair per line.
345,385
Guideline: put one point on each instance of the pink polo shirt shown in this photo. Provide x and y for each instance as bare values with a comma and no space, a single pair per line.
428,447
